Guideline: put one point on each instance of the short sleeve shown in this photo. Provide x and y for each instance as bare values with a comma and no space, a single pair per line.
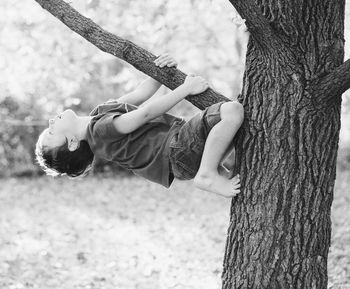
103,120
94,111
106,129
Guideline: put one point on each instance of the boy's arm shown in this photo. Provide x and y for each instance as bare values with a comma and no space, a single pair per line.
143,92
130,121
149,86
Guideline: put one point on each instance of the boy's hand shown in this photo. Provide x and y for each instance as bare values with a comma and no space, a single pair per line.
195,84
165,60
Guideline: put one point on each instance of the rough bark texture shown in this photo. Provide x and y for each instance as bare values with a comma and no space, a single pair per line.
138,57
280,226
334,83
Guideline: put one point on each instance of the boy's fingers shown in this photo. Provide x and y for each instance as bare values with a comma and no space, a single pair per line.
168,62
165,60
162,57
172,63
158,59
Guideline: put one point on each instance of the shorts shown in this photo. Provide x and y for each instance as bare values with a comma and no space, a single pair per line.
186,147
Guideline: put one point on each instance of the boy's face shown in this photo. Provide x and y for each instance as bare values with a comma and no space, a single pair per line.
60,127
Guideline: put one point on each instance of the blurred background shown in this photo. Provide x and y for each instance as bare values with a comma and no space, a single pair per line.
113,230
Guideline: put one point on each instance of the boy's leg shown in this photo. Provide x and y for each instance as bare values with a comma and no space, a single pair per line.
217,142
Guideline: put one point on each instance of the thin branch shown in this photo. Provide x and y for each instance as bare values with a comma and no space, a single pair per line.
264,35
333,84
257,24
126,50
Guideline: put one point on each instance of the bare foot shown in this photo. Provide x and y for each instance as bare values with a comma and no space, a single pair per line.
213,182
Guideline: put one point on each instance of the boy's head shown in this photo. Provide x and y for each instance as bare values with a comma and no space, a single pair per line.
61,150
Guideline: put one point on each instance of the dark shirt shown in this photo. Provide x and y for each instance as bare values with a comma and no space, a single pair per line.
144,151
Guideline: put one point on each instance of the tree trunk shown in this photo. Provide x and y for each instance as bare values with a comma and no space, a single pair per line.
280,225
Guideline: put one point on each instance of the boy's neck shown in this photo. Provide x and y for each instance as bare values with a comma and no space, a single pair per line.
82,125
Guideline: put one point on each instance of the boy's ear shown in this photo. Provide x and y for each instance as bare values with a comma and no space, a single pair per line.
73,143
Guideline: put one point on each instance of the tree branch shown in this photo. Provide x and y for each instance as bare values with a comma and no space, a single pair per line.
126,50
257,24
264,35
333,84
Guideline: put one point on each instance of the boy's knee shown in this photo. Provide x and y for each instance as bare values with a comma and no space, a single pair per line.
232,111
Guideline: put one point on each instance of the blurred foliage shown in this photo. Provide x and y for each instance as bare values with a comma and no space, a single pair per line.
46,68
17,142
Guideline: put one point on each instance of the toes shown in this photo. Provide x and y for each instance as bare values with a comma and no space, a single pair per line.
236,192
235,182
236,177
237,186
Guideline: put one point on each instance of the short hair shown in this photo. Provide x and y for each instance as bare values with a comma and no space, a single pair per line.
61,161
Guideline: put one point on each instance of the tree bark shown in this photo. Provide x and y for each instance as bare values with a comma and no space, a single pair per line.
126,50
280,226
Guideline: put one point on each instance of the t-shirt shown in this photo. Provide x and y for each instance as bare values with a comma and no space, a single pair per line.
144,151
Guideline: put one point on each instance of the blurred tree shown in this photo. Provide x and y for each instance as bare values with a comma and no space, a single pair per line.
279,233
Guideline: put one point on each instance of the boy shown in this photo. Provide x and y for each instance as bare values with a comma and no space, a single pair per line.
136,132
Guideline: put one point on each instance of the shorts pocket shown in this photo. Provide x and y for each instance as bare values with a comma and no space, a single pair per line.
186,160
187,148
183,171
180,169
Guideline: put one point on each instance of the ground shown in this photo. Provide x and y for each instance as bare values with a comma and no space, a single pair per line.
128,233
